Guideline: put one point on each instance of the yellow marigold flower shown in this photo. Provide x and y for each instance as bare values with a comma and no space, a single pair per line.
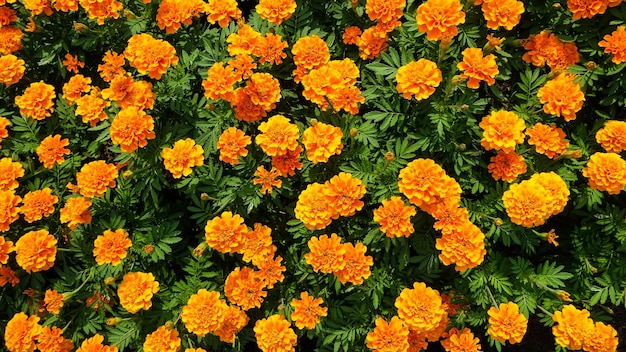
222,12
505,13
548,140
555,187
439,18
322,141
111,247
276,11
4,133
53,301
606,172
235,320
164,339
357,264
205,312
343,192
36,251
603,338
232,144
395,218
180,159
226,233
52,149
312,209
72,63
420,308
75,87
131,129
10,39
502,130
243,41
6,247
38,204
50,340
11,69
100,10
147,54
93,178
244,287
9,210
425,183
278,135
572,327
75,212
477,68
91,108
37,101
21,332
351,35
614,43
270,49
506,166
136,290
264,90
612,137
528,204
388,337
267,179
418,78
112,66
561,97
94,344
9,172
507,323
461,341
465,248
275,334
307,311
219,82
326,254
586,8
310,52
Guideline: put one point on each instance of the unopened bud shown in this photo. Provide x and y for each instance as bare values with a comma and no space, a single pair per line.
81,27
573,154
199,250
564,296
114,321
498,222
556,5
149,249
127,173
590,65
389,156
314,122
128,14
456,80
169,325
464,107
210,106
461,147
354,132
204,197
109,280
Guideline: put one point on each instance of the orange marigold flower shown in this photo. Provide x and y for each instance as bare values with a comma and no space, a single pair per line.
7,15
322,141
384,11
343,193
119,89
37,101
505,13
312,209
463,340
502,130
614,43
112,66
477,68
94,344
38,204
9,211
464,248
136,290
418,78
242,65
270,49
420,308
51,150
205,312
606,172
275,334
102,9
307,311
131,129
395,218
612,137
357,264
603,338
493,42
347,99
439,18
586,8
75,87
235,320
94,178
4,133
173,13
276,11
111,247
65,5
388,337
37,7
506,166
278,135
53,301
548,140
72,63
164,339
76,211
226,233
572,327
7,276
351,35
10,39
417,341
372,43
507,323
244,108
244,287
91,108
288,162
257,246
147,54
450,217
6,247
556,189
9,172
267,179
243,41
271,271
219,82
232,144
563,56
264,90
51,340
326,254
21,332
310,52
561,97
11,69
180,159
36,251
222,12
425,183
541,48
527,204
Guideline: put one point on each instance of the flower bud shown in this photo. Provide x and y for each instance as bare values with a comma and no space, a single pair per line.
354,132
498,222
109,280
563,296
389,156
461,147
590,65
204,197
127,173
114,321
81,27
149,249
199,250
129,14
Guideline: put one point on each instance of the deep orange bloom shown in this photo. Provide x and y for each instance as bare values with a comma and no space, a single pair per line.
21,332
51,150
267,179
50,340
36,251
450,217
164,339
615,43
150,55
561,97
4,133
612,137
119,89
37,101
310,52
394,217
76,211
507,323
288,162
439,18
100,10
180,159
205,312
38,204
6,247
10,39
136,290
425,183
278,135
235,320
173,13
307,311
586,8
390,336
226,233
477,68
322,141
463,340
7,15
347,99
271,271
270,49
313,209
326,254
385,11
505,13
606,172
357,264
257,246
275,334
243,41
244,108
418,78
502,130
506,166
572,327
131,129
91,108
9,210
94,344
276,11
11,69
219,82
112,66
65,5
343,193
465,248
111,247
222,12
372,43
7,276
243,66
94,178
37,7
548,140
420,308
9,172
244,287
232,144
75,87
603,338
563,56
72,63
53,301
351,35
264,90
542,48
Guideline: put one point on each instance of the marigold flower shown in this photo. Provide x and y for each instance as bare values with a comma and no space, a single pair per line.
271,271
11,69
586,8
357,264
351,35
477,68
219,82
394,217
307,311
465,247
112,66
263,90
244,287
7,276
372,43
91,108
541,47
226,233
563,56
244,108
164,339
9,172
276,11
327,254
267,179
180,159
505,13
527,204
278,135
243,41
388,336
65,5
313,210
37,7
561,97
507,323
7,15
384,11
420,308
21,332
614,44
9,211
100,10
270,49
71,63
275,334
50,340
555,187
136,290
288,162
75,87
502,130
111,247
310,52
242,65
173,13
606,172
232,144
603,338
257,246
38,204
93,178
131,129
10,39
235,320
612,137
36,251
439,18
51,150
343,193
572,327
506,166
6,247
150,55
4,133
75,212
94,344
222,12
53,301
548,140
205,312
418,78
425,183
463,340
348,99
37,101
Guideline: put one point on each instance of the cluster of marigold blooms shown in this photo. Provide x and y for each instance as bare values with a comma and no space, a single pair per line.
575,330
